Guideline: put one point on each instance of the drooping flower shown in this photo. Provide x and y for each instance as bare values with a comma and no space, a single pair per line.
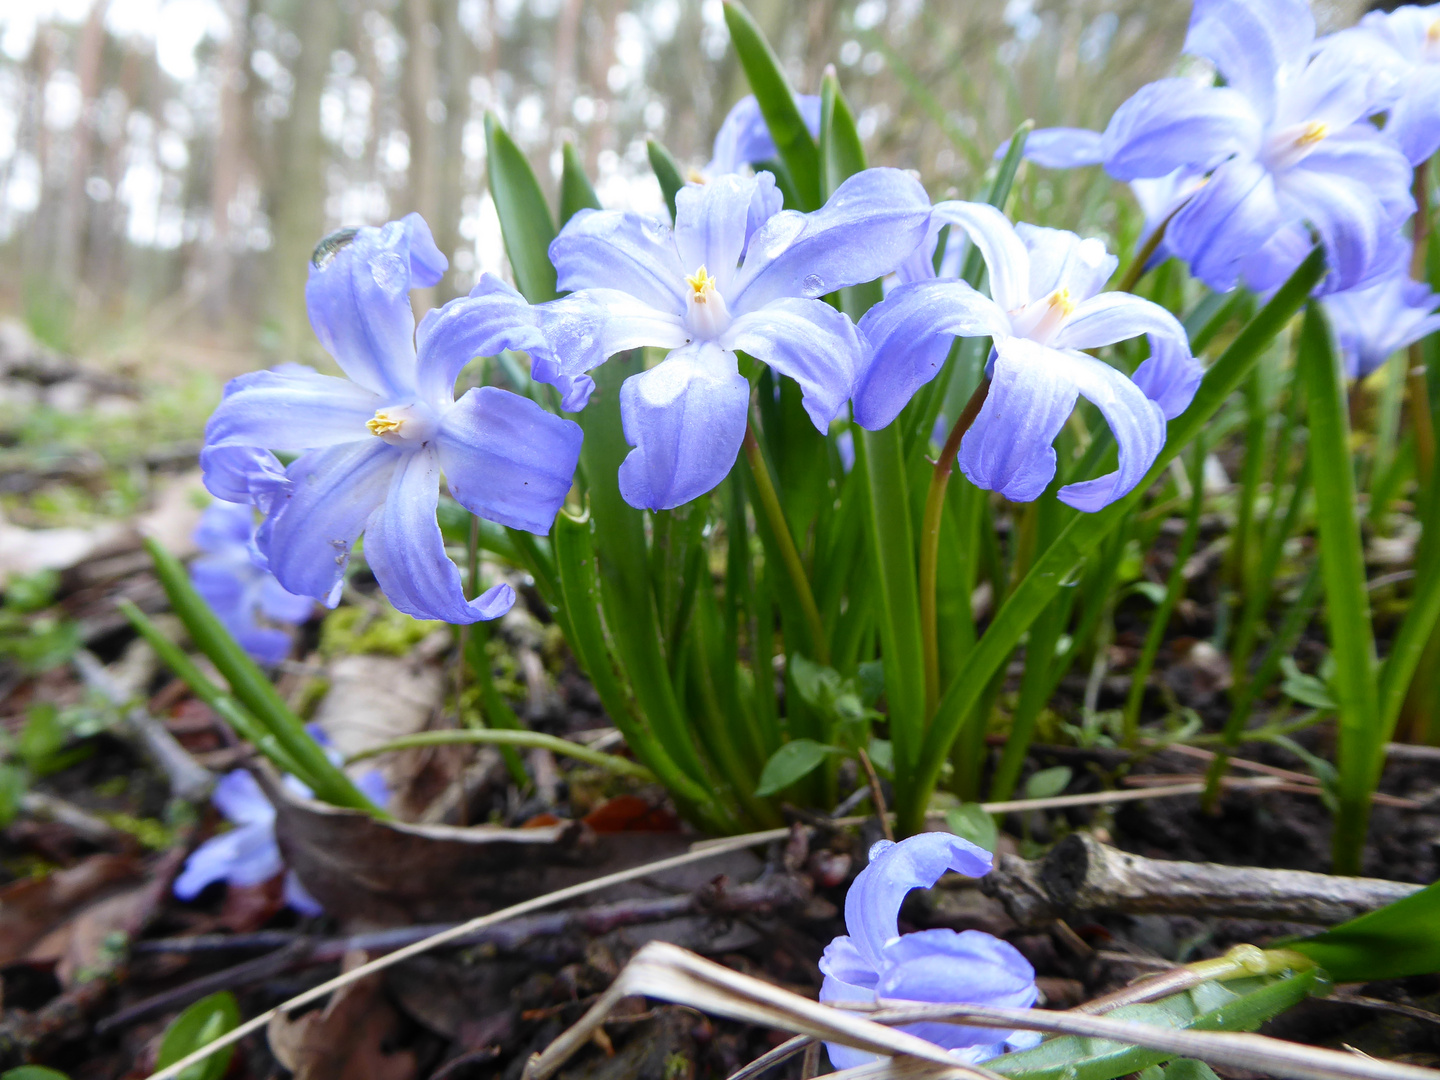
1410,38
736,272
247,854
1045,306
1285,144
239,591
744,138
374,445
1374,323
873,961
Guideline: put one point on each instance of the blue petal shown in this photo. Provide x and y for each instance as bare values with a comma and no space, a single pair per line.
910,332
333,492
847,971
872,906
1374,323
1414,121
1225,221
809,341
493,318
282,605
1270,265
710,225
507,459
744,139
970,967
1116,316
865,230
1250,42
372,785
265,644
219,586
686,419
616,249
359,301
243,474
294,409
1008,448
298,898
239,798
1061,260
1169,377
586,328
1006,259
1350,77
1060,148
225,525
1174,124
246,855
1138,424
1362,240
406,552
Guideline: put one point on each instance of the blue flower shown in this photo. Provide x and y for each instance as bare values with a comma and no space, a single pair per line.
736,272
874,961
247,854
1285,145
1410,39
374,445
1374,323
745,139
238,590
1046,308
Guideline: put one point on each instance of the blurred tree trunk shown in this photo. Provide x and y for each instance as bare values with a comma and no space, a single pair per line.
298,193
70,228
420,106
229,161
601,56
459,64
567,34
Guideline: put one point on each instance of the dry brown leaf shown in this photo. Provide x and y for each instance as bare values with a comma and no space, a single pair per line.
345,1039
31,908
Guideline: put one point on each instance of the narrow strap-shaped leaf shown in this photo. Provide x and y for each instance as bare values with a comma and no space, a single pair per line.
1084,531
249,684
525,220
666,171
1393,942
576,194
777,104
841,153
1347,600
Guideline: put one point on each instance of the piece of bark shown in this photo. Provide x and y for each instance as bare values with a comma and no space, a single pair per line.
1082,874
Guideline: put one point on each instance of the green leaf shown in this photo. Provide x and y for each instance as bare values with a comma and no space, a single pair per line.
842,154
882,756
777,104
871,679
525,220
1347,599
1306,689
576,194
32,1072
13,783
792,761
666,171
43,735
1189,1069
1048,782
1398,940
198,1026
29,593
969,821
1241,1005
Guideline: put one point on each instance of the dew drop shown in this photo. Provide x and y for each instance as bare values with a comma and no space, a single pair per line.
328,248
813,284
389,272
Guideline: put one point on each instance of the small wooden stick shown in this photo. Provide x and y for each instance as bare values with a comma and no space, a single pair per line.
877,796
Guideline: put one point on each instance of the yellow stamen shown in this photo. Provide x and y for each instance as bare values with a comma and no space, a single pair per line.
701,282
1312,133
383,424
1061,301
1432,33
694,176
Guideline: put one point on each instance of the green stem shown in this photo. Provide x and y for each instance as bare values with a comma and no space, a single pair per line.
1420,414
1152,245
930,542
500,737
789,554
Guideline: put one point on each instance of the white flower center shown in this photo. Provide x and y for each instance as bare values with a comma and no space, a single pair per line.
706,315
1040,320
1292,145
407,426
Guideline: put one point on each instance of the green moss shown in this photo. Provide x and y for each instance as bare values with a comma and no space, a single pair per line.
350,630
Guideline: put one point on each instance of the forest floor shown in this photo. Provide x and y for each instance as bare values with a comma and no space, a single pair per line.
97,956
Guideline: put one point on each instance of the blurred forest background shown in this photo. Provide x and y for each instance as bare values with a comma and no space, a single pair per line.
166,166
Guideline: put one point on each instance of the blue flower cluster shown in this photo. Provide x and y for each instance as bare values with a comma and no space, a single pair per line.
1304,135
1305,139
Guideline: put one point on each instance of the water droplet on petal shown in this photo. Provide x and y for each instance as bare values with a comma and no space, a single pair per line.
328,248
390,272
813,285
